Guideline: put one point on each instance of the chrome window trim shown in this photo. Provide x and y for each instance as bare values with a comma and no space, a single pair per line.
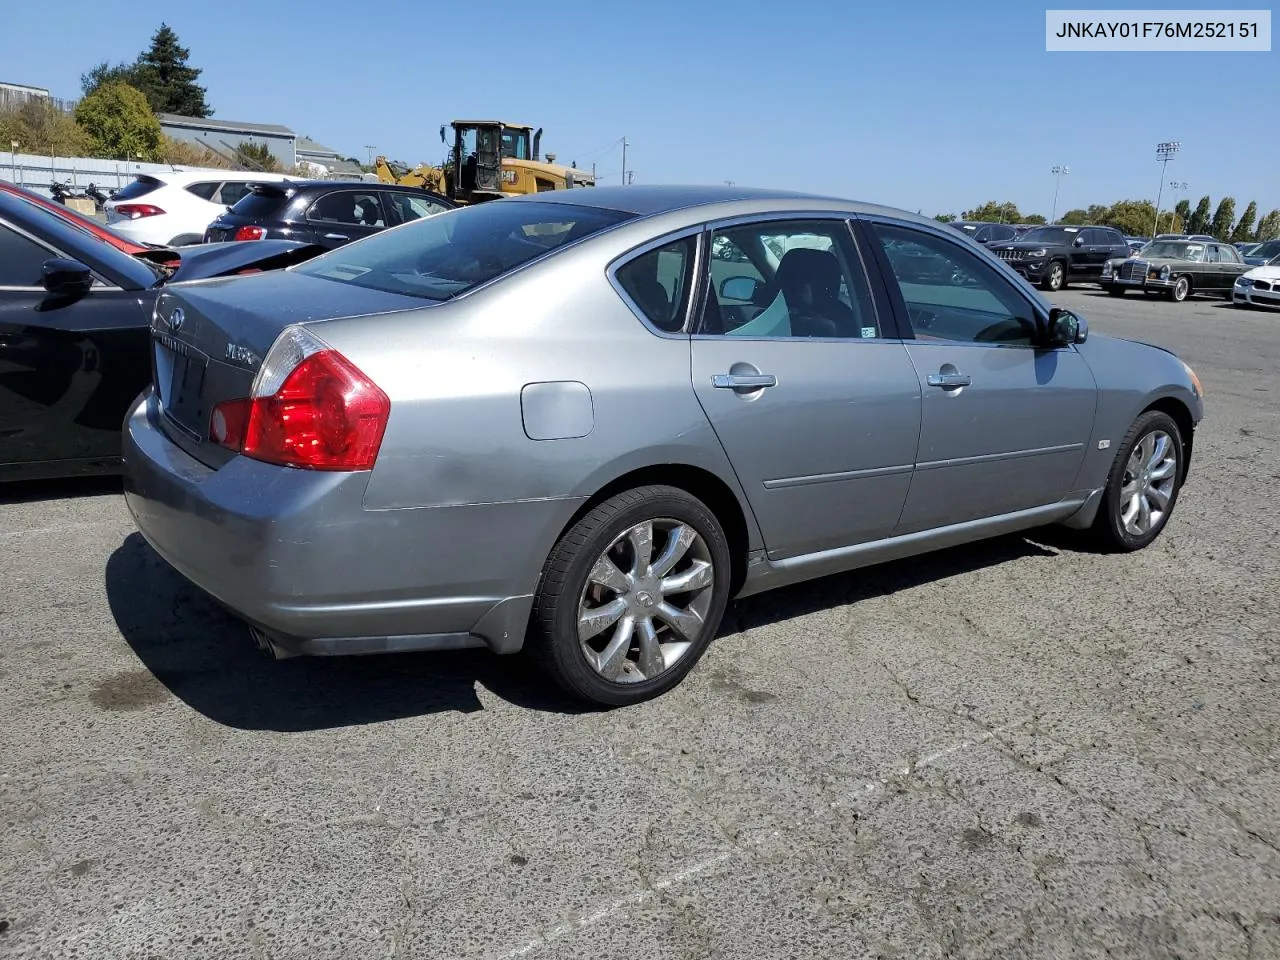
634,253
845,218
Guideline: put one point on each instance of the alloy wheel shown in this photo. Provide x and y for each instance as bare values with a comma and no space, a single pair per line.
646,600
1148,483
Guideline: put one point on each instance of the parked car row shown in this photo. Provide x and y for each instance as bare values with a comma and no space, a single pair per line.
185,208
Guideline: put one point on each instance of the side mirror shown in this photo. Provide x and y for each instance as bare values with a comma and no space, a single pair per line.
66,277
1066,328
739,288
1078,242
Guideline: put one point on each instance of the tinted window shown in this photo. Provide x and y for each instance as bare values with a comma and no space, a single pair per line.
1003,233
788,279
950,293
438,258
1268,249
20,259
204,190
658,282
356,208
411,207
260,204
139,188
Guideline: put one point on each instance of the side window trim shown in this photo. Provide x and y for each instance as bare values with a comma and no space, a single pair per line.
888,279
886,318
693,288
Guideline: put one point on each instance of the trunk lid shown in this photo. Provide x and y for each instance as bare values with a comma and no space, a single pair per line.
209,339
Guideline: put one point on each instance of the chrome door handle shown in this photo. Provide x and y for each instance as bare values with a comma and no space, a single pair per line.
949,380
336,236
735,381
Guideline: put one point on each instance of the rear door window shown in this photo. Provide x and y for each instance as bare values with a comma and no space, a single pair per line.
205,189
352,207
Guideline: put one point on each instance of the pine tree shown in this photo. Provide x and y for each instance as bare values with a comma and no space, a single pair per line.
1223,217
1200,219
1244,229
1268,227
170,85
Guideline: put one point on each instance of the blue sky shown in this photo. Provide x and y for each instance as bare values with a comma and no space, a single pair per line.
932,106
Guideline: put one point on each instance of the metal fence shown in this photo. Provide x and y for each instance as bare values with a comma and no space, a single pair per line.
36,172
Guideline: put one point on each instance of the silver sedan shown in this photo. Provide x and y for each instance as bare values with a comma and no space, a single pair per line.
578,424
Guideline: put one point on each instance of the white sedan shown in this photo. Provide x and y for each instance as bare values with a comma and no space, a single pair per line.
1259,287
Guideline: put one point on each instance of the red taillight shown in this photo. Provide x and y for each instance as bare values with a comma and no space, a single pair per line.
250,233
326,415
136,211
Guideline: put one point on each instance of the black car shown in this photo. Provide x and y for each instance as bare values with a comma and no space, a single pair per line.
986,233
328,212
75,333
1054,255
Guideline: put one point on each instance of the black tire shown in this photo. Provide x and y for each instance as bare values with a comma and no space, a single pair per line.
1109,530
1181,289
1116,291
553,640
1056,277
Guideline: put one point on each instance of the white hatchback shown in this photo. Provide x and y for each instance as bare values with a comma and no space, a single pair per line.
172,209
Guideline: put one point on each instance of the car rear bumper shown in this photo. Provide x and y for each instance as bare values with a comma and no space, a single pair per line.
158,230
294,553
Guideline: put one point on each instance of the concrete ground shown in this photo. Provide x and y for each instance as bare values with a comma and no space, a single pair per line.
1014,750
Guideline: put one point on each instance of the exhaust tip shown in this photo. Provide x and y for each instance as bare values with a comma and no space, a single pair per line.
269,647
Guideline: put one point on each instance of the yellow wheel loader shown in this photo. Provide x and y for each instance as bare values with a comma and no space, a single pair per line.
488,159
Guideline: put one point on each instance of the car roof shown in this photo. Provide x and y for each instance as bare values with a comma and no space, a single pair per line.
651,200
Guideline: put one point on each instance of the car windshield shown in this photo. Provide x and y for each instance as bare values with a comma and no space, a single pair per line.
442,257
1174,250
1051,235
1266,249
967,227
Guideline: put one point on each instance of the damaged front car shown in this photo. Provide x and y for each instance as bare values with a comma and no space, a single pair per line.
75,320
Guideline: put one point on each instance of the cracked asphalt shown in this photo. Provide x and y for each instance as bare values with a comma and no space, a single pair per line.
1016,749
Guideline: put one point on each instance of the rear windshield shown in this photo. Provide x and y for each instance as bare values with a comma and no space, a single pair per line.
139,188
259,205
444,256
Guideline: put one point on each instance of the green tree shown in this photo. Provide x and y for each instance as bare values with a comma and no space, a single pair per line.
1244,228
944,217
1131,217
104,72
1074,217
1096,212
993,212
1033,218
1268,227
1223,217
119,123
256,156
169,83
1183,210
1199,221
40,127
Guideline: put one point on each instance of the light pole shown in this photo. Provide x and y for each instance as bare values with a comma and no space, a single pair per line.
1057,170
370,147
1164,153
1177,186
624,161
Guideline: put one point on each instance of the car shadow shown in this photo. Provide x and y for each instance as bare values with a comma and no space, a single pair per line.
895,576
30,491
207,658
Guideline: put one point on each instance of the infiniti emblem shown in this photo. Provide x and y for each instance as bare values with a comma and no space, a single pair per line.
175,319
